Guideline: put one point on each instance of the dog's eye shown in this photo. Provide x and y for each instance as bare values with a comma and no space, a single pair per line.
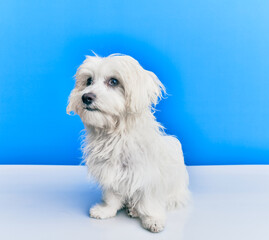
89,81
113,82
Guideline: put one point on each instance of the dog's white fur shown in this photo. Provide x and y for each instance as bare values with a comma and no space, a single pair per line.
126,150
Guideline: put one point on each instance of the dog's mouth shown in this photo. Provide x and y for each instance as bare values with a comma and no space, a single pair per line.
91,109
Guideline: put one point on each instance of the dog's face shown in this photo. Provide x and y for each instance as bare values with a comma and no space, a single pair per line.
109,89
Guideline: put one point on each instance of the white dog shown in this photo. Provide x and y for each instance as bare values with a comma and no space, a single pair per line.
126,150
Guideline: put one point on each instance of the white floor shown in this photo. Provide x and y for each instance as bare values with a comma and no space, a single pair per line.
52,202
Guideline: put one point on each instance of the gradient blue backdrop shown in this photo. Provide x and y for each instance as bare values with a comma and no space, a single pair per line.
213,57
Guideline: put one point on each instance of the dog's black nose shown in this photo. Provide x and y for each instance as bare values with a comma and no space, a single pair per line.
88,98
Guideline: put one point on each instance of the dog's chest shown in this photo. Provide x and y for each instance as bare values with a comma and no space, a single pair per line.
115,164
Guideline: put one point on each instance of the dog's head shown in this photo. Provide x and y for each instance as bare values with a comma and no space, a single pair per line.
111,88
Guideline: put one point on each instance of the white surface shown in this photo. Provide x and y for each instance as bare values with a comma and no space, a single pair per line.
52,202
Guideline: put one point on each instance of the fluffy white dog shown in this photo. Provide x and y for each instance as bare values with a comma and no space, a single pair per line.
126,150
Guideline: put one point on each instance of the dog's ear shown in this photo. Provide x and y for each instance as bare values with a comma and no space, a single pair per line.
70,110
69,107
146,91
156,88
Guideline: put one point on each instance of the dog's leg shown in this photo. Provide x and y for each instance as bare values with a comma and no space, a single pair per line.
112,203
152,214
130,210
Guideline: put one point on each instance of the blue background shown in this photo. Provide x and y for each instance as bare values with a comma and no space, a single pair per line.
213,57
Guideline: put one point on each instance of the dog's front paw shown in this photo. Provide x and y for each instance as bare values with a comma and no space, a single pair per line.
102,212
131,212
153,224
